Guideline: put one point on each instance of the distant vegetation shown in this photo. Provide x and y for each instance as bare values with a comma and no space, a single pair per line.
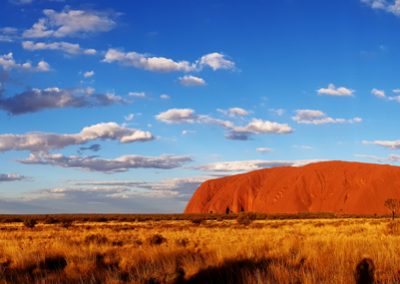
245,248
67,219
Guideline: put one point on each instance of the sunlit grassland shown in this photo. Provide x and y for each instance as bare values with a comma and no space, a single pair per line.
205,251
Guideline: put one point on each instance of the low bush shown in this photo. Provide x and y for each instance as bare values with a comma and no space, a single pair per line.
30,223
246,218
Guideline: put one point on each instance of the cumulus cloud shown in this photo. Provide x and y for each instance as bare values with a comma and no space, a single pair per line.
189,80
35,100
331,90
234,111
308,116
250,165
43,142
161,64
68,23
258,126
11,177
7,62
164,97
390,144
378,93
66,47
120,164
390,6
88,74
255,126
216,61
178,115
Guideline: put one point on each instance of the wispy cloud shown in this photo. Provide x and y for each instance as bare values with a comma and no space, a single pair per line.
316,117
250,165
66,47
263,150
390,144
120,164
8,34
392,158
234,111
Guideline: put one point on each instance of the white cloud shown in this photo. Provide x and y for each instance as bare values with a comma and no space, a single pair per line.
333,91
381,94
120,164
390,6
255,126
378,93
251,165
66,47
216,61
88,74
164,97
178,115
142,61
137,94
308,116
390,144
189,80
38,142
234,111
8,62
258,126
69,23
161,64
263,150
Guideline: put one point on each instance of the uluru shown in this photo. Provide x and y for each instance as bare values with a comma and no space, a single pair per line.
332,186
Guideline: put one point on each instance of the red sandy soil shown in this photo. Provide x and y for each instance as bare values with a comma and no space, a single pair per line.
334,186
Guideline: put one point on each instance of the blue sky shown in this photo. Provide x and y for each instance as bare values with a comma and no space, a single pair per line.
127,106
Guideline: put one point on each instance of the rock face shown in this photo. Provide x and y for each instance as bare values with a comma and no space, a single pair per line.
336,186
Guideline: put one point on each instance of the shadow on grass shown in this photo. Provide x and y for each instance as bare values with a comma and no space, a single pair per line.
231,271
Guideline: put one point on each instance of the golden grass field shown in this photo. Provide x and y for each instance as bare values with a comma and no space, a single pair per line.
199,251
